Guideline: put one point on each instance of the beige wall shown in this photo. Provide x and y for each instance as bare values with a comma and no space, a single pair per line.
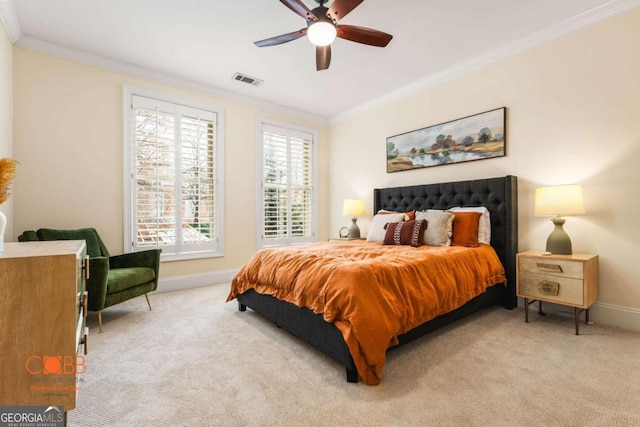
573,116
68,138
6,116
573,109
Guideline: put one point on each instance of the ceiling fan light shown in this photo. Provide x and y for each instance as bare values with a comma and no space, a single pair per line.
321,33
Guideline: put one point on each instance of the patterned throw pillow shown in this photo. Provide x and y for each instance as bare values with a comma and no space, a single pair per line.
405,233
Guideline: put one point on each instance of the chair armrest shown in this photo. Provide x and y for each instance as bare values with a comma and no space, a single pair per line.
28,236
97,282
149,258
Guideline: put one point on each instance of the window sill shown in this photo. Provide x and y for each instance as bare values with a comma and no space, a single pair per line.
190,255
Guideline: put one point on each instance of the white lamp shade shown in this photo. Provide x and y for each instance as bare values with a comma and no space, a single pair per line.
353,207
559,200
321,33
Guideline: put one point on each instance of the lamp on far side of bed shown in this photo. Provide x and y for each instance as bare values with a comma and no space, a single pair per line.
556,201
353,208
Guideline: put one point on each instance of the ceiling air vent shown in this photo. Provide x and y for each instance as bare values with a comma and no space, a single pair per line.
246,79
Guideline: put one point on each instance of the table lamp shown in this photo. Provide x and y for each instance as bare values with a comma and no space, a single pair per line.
556,201
353,208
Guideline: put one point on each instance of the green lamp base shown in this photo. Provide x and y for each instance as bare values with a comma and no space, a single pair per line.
558,241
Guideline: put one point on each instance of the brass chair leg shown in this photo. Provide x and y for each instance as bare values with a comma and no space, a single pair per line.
148,303
100,321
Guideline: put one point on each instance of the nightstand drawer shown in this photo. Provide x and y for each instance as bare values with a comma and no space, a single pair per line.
563,290
552,267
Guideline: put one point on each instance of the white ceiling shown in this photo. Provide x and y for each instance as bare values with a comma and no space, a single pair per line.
202,43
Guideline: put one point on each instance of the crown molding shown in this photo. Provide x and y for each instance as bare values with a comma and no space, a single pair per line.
592,16
75,55
10,21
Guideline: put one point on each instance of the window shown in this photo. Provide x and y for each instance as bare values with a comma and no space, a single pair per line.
287,199
173,162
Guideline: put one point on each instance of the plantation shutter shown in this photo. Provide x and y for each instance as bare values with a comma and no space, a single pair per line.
198,176
287,190
174,184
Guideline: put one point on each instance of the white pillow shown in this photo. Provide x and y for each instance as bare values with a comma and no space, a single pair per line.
484,226
377,231
439,227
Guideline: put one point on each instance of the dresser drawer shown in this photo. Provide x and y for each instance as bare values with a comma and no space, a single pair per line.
552,267
563,290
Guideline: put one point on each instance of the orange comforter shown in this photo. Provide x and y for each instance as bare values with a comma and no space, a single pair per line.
371,292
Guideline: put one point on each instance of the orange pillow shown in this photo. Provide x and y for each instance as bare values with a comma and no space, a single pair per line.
410,214
465,229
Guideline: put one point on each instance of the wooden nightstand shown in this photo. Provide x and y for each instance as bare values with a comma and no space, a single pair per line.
570,280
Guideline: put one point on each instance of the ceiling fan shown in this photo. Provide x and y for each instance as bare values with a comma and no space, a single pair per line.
322,29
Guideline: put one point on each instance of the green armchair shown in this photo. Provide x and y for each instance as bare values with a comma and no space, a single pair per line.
112,279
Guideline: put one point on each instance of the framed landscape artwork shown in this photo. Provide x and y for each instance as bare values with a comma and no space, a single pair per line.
477,137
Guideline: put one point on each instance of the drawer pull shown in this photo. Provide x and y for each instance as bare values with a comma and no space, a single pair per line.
85,267
85,339
549,288
85,298
551,268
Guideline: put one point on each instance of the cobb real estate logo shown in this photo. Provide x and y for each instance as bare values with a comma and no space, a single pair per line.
66,365
31,416
56,374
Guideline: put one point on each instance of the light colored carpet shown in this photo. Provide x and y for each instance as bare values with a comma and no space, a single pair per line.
196,361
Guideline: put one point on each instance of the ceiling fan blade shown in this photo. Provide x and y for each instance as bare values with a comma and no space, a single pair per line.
298,7
281,38
340,8
323,57
363,35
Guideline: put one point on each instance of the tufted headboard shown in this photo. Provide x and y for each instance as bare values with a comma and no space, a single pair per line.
499,195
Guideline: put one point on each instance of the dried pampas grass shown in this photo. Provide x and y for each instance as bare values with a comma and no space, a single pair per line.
7,172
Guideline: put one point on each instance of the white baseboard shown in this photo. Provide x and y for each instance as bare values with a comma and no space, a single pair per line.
179,283
605,314
615,315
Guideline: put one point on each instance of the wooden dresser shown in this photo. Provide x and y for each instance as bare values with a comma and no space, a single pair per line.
43,318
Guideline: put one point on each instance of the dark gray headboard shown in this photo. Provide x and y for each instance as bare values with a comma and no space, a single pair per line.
499,195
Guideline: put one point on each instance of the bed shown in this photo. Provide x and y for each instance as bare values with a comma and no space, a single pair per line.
498,195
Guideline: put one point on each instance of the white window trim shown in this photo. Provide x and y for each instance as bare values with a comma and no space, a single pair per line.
127,94
259,164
